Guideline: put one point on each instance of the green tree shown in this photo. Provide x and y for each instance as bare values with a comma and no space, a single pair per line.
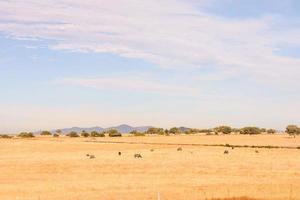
250,130
235,130
58,131
174,130
96,134
223,129
205,130
84,134
153,130
114,133
26,135
292,130
271,131
5,136
263,130
137,133
73,134
46,133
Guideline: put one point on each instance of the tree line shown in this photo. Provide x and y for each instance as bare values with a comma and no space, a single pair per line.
292,130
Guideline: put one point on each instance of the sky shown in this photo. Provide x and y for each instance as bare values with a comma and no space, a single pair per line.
194,63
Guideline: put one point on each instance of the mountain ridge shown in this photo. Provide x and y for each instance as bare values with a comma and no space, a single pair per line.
123,128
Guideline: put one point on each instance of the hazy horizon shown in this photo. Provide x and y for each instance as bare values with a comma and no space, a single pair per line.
199,64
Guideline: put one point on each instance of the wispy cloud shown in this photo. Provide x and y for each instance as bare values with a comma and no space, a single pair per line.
167,33
131,84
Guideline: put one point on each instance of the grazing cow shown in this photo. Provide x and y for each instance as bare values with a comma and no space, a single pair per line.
232,147
151,150
137,155
92,157
179,149
87,155
119,153
256,151
226,152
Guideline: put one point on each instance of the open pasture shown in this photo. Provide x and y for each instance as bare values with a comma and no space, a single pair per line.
46,168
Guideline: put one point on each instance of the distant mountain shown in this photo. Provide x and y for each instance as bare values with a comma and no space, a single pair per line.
123,128
79,129
183,129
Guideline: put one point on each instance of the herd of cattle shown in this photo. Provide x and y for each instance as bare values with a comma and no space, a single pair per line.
137,155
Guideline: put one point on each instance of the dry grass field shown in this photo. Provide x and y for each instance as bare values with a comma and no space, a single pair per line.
46,168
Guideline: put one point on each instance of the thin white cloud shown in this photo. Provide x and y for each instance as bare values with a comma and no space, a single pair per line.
168,33
131,84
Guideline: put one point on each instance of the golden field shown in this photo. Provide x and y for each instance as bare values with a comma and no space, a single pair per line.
46,168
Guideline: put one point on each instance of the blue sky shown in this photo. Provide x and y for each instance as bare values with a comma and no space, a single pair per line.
164,63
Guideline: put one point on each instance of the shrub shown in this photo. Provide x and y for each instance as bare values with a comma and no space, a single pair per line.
72,134
292,130
205,131
136,133
174,130
55,135
271,131
191,131
84,134
46,133
235,130
153,130
250,130
96,134
223,129
114,133
6,136
263,130
26,135
101,134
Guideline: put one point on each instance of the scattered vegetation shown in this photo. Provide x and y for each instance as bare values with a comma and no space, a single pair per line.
58,131
251,130
159,131
26,135
292,130
192,131
137,133
223,129
263,130
174,130
84,134
114,133
73,134
97,134
207,131
235,130
46,133
271,131
5,136
55,135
